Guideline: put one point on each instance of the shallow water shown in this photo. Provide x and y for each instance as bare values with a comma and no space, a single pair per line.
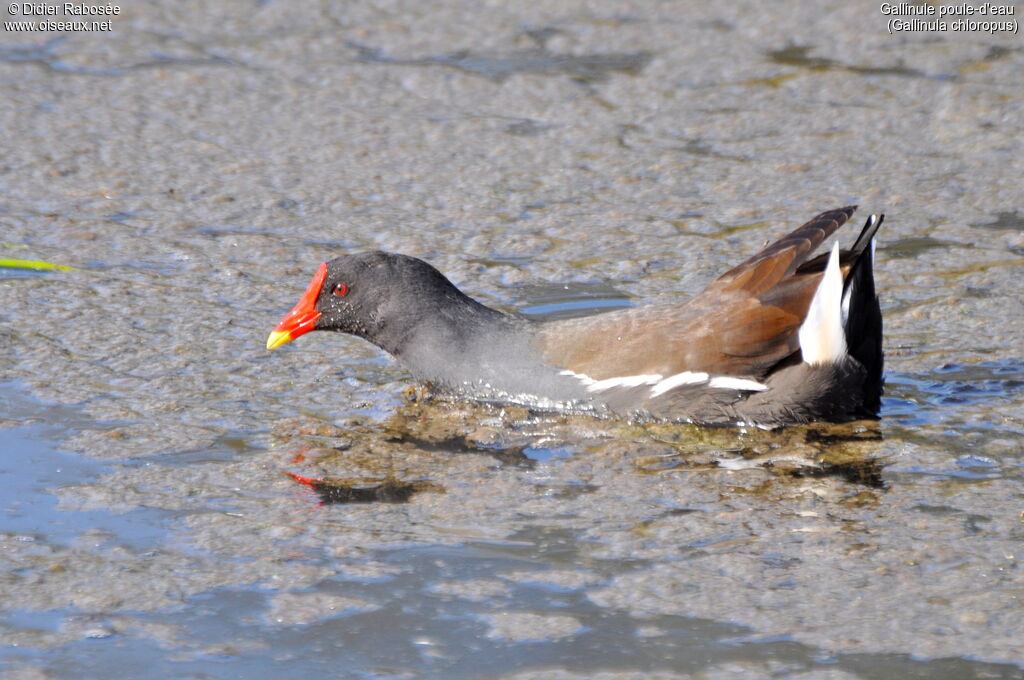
195,164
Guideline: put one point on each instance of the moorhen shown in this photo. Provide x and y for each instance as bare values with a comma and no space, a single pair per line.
781,338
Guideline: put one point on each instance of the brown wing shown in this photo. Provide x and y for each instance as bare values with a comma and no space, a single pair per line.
743,324
780,259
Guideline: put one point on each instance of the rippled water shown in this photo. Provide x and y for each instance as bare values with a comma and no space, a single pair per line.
196,163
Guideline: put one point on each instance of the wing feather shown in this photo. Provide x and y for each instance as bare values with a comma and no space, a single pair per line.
744,324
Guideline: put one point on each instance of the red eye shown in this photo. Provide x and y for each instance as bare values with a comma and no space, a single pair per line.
341,289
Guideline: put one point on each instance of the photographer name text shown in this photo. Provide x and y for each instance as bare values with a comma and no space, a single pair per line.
64,11
68,9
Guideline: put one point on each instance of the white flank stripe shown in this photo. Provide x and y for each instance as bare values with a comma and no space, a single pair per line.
625,381
729,383
674,381
609,383
585,379
661,386
821,335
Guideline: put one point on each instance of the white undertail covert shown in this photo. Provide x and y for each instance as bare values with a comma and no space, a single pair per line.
822,338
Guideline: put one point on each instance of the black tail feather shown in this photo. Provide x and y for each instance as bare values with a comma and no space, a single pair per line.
867,233
863,316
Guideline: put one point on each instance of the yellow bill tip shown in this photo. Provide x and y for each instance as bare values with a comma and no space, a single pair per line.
278,338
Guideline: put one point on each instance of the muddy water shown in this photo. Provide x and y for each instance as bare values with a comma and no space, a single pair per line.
198,161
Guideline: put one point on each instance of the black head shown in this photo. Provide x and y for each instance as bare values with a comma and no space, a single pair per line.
382,297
